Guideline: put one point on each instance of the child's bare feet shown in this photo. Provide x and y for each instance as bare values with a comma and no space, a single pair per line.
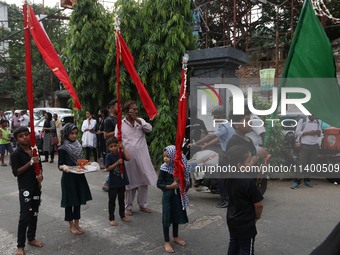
36,243
76,224
74,230
80,229
179,241
20,251
125,219
113,223
168,248
128,212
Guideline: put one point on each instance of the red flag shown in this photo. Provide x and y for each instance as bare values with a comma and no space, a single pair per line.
50,55
29,87
119,104
129,64
119,117
181,123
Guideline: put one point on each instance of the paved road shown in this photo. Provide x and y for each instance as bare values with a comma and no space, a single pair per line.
294,221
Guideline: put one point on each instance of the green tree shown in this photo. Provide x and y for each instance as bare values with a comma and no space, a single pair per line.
13,60
219,16
158,33
276,139
86,53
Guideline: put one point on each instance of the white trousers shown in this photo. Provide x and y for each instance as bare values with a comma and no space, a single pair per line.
142,197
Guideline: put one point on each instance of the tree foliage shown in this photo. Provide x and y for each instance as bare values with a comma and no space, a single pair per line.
219,16
276,139
86,53
158,33
12,60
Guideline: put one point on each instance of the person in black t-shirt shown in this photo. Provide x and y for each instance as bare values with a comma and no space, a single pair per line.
109,131
29,189
117,178
240,124
111,122
245,204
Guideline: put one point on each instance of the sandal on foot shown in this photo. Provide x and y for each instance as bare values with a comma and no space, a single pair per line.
168,248
113,223
36,243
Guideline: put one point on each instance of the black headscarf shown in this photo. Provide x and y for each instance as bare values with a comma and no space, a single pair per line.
74,149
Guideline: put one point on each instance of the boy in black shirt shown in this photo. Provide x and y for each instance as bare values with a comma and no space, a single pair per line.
109,132
29,189
245,200
245,204
117,178
240,124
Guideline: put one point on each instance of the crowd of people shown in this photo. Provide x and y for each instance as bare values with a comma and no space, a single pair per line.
7,126
124,181
130,172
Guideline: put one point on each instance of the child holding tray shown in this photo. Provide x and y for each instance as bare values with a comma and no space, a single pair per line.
74,187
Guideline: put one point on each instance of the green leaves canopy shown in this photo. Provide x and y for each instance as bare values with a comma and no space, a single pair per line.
158,33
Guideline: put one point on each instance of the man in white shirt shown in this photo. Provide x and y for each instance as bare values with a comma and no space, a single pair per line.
258,132
24,119
308,131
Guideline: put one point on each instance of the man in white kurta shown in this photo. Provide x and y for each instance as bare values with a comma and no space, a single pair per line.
139,168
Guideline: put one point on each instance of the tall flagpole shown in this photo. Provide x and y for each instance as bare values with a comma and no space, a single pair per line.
29,83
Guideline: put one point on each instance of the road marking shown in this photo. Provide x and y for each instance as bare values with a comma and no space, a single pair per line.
203,222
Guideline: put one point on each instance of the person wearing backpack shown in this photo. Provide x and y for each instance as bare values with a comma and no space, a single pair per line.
308,132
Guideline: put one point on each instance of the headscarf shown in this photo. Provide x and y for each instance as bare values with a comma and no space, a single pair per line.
74,149
170,167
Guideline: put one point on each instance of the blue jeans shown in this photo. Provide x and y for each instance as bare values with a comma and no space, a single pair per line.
241,246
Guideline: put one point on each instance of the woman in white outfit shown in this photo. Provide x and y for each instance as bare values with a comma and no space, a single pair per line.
89,139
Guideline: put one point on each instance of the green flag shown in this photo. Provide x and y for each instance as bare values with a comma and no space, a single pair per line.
310,65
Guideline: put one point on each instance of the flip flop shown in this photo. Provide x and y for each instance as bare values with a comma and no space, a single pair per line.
36,243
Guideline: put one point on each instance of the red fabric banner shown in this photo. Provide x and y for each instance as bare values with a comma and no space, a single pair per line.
119,117
29,86
50,55
119,104
181,123
129,64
